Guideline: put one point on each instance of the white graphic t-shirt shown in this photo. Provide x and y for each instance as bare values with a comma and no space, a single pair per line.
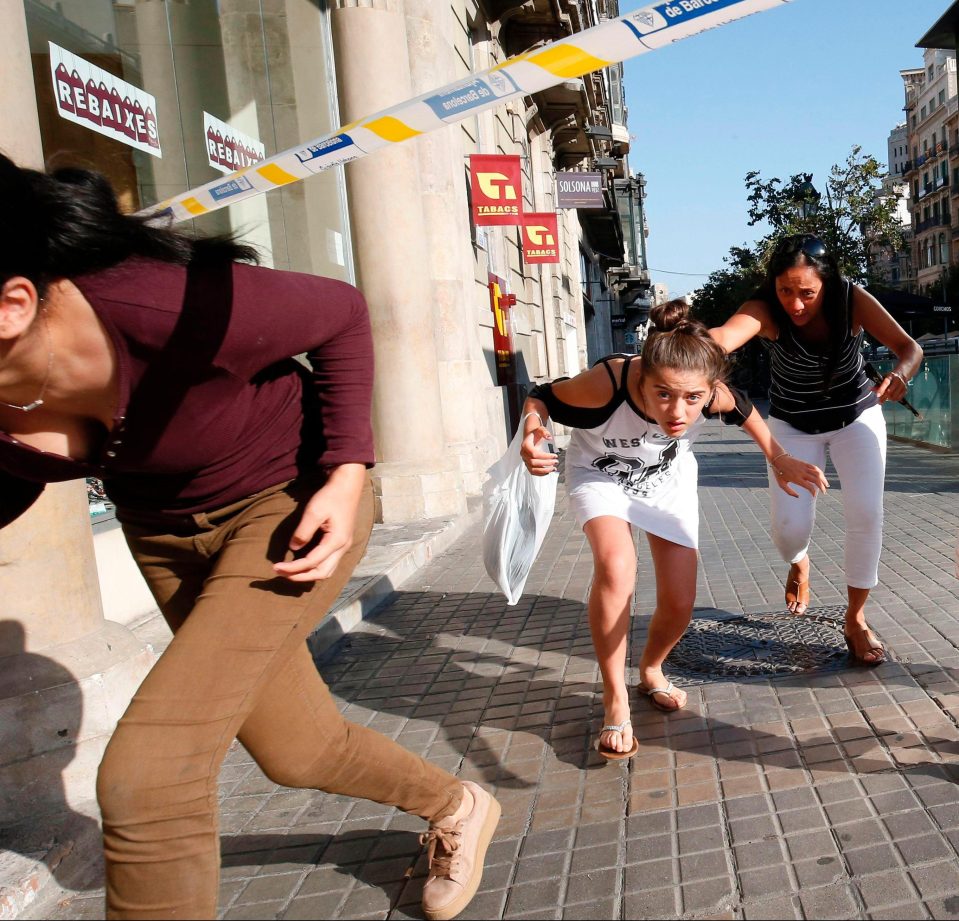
629,468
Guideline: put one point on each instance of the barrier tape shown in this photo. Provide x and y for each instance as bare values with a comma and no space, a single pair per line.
602,45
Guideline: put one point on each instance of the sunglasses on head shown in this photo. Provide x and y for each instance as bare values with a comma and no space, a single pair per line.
808,244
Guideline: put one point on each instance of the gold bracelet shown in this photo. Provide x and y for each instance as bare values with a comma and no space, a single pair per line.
899,374
776,458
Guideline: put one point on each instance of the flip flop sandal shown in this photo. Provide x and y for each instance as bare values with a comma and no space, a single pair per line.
652,692
875,647
610,754
797,592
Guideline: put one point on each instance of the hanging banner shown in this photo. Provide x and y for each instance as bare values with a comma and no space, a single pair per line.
610,42
95,98
496,187
579,190
540,237
228,149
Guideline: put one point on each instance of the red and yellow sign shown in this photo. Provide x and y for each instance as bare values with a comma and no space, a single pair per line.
540,237
496,183
500,303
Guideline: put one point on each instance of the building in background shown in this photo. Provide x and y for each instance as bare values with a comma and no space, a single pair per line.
929,90
891,265
398,226
163,96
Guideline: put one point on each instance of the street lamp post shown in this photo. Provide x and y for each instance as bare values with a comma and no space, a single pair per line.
808,197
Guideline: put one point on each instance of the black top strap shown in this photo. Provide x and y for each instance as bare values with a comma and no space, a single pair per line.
848,307
609,371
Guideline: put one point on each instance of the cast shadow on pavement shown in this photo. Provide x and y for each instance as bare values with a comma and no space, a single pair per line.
37,821
372,856
478,670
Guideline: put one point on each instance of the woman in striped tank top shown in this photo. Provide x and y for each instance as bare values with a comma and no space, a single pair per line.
821,399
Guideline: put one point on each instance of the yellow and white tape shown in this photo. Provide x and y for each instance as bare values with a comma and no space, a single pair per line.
608,43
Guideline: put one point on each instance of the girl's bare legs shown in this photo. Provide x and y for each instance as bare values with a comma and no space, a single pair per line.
614,579
675,594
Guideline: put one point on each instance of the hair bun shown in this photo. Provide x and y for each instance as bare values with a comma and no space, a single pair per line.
673,315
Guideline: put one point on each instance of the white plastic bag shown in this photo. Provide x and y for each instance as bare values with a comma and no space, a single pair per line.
518,507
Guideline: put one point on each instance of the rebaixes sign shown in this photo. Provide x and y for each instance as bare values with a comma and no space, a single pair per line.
95,98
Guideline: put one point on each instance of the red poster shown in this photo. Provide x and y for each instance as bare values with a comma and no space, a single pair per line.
500,303
497,188
540,237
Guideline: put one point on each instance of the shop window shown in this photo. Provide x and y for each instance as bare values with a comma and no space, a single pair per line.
196,60
265,73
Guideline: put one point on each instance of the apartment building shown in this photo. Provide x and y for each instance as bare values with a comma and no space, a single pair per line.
930,106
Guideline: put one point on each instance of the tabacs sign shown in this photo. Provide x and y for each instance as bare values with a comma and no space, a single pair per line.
496,188
90,96
540,237
228,149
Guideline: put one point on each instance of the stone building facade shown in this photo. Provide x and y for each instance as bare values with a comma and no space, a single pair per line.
930,96
398,224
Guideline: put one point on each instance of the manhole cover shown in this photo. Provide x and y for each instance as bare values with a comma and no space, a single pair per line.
773,644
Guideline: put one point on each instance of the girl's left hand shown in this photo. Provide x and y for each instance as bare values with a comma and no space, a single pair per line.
893,388
330,511
789,469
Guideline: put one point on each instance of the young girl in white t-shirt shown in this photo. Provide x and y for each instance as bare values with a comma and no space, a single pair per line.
630,463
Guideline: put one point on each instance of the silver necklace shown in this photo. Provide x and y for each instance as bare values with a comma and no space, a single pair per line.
30,407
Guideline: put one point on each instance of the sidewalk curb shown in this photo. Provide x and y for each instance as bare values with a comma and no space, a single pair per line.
377,589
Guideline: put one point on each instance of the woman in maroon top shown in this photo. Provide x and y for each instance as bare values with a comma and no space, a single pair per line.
162,365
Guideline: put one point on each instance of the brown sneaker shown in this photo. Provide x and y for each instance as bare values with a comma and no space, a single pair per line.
457,851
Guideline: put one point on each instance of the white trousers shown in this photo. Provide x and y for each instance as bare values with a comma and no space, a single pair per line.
858,452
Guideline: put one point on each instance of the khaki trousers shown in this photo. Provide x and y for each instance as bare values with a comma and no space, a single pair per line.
237,666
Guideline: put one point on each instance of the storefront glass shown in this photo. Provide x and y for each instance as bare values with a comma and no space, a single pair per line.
227,80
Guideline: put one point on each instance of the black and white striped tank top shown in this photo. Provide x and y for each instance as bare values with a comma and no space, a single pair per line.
798,393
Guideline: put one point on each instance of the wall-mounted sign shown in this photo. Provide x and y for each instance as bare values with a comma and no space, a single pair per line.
579,190
497,189
540,237
95,98
228,149
500,303
617,322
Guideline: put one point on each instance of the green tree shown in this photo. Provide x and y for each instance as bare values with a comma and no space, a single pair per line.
726,289
855,212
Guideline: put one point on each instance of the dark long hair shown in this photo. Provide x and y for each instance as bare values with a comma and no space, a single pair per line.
808,250
68,222
678,342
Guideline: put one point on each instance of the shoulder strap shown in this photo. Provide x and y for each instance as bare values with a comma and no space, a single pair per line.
625,375
848,307
609,371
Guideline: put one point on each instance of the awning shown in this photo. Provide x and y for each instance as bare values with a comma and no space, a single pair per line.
904,304
943,33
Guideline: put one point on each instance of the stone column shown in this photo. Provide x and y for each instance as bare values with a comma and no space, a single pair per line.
466,387
66,674
415,477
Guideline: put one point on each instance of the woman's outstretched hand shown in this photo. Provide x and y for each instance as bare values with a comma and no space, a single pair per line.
539,460
330,515
789,469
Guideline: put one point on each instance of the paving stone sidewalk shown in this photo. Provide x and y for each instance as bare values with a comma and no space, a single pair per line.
824,795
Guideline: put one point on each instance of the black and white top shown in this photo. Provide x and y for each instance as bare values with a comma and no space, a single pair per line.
798,394
620,463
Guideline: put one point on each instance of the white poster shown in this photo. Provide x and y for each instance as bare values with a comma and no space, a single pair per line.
96,99
228,149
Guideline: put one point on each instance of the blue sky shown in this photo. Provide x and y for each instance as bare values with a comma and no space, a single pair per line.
784,91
